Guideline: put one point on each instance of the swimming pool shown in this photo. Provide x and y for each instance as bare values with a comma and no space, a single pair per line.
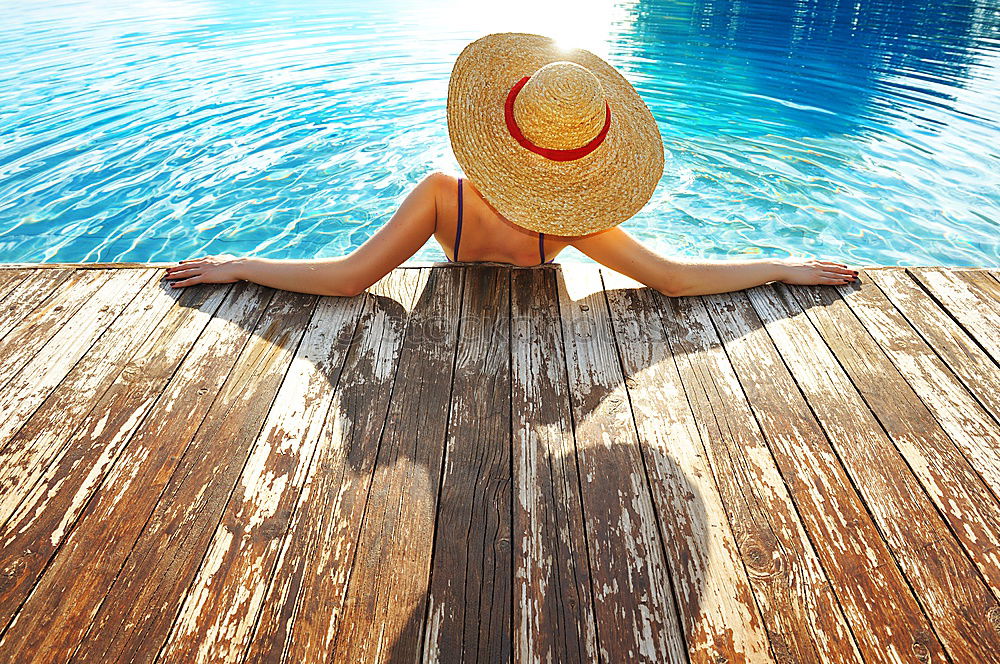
867,132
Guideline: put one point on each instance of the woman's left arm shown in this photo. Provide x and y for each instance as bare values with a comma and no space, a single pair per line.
622,253
408,229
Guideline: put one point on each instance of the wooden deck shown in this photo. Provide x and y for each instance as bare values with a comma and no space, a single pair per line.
496,464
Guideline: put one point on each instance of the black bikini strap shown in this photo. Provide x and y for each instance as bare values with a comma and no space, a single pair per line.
458,232
541,248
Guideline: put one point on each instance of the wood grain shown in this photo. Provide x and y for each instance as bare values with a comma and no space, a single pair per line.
713,593
635,609
469,604
717,456
386,595
967,303
50,509
9,280
137,616
946,337
952,445
57,614
884,616
27,389
684,481
25,337
29,293
906,517
301,615
216,621
50,407
553,603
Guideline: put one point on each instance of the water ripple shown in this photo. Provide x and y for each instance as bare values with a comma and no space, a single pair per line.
155,131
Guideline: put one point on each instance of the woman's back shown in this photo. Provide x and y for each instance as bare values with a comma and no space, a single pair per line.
467,222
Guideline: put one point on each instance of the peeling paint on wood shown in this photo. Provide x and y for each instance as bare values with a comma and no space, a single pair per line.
951,443
29,293
47,310
301,615
244,550
553,604
963,297
732,527
231,473
906,518
108,308
385,602
635,610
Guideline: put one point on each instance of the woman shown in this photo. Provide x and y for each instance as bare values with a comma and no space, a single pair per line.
558,150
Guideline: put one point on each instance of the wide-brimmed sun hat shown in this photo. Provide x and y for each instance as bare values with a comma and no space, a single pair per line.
557,141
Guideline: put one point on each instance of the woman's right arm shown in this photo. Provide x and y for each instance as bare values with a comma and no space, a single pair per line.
622,253
408,229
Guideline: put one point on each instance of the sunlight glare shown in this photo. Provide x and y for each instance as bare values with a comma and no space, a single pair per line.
588,24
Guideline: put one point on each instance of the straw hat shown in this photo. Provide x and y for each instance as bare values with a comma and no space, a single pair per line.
556,140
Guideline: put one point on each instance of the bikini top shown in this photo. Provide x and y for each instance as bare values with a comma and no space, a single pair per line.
458,233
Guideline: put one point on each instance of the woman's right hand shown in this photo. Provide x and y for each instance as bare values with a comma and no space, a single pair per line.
217,269
811,272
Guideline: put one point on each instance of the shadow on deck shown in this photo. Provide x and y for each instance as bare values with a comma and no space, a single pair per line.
478,462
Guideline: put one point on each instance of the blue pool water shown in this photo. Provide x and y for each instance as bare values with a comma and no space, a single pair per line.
865,131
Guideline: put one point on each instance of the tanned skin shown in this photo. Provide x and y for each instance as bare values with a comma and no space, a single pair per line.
431,209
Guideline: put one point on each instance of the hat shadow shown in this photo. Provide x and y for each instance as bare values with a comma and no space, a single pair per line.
514,564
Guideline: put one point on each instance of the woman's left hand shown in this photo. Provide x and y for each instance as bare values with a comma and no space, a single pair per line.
811,272
219,269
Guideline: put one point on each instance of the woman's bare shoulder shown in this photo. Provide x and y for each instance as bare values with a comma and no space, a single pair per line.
442,178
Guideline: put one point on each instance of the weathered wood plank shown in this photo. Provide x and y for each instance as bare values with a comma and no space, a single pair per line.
121,265
9,280
883,614
687,401
57,613
952,445
974,309
29,335
217,618
470,601
720,618
635,610
28,294
984,282
117,575
43,373
30,538
956,605
300,615
553,604
32,438
387,592
960,353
